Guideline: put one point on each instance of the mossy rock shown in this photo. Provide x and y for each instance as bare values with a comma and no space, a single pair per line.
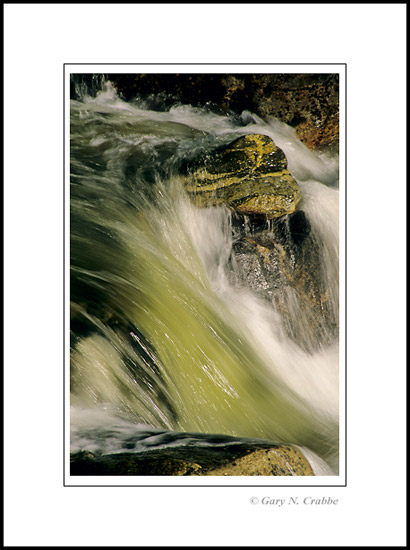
253,460
250,175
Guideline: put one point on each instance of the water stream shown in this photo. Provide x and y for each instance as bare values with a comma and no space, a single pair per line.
165,337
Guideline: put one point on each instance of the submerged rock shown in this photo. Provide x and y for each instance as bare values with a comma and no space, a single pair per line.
250,175
265,459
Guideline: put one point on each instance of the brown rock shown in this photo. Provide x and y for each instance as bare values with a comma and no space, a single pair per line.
307,102
265,459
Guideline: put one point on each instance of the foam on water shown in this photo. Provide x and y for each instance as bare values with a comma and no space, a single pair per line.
313,376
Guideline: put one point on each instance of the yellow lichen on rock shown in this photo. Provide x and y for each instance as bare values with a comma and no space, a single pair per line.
249,175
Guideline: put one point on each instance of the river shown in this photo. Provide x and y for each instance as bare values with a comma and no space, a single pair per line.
165,337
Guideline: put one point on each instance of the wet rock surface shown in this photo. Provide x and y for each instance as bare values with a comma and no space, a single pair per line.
249,175
283,264
264,459
307,102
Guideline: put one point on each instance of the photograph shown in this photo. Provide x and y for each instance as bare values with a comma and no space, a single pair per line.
204,273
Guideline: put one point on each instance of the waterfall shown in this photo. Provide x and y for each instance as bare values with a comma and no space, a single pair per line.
165,335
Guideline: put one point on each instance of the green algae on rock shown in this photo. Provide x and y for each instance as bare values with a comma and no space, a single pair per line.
249,175
252,460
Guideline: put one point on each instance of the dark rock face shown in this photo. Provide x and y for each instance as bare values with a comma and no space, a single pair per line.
284,265
307,102
264,459
249,175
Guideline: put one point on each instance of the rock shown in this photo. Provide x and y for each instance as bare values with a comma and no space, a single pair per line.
249,175
307,102
284,265
321,137
264,459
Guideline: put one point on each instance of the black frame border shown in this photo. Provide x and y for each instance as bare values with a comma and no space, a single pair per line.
64,266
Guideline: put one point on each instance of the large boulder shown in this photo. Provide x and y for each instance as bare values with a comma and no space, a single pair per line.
250,176
239,460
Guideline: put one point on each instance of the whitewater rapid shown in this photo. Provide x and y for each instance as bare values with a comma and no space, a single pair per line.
207,355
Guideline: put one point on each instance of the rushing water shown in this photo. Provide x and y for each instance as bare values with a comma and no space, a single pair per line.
164,337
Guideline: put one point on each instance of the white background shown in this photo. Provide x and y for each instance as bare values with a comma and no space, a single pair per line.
39,38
